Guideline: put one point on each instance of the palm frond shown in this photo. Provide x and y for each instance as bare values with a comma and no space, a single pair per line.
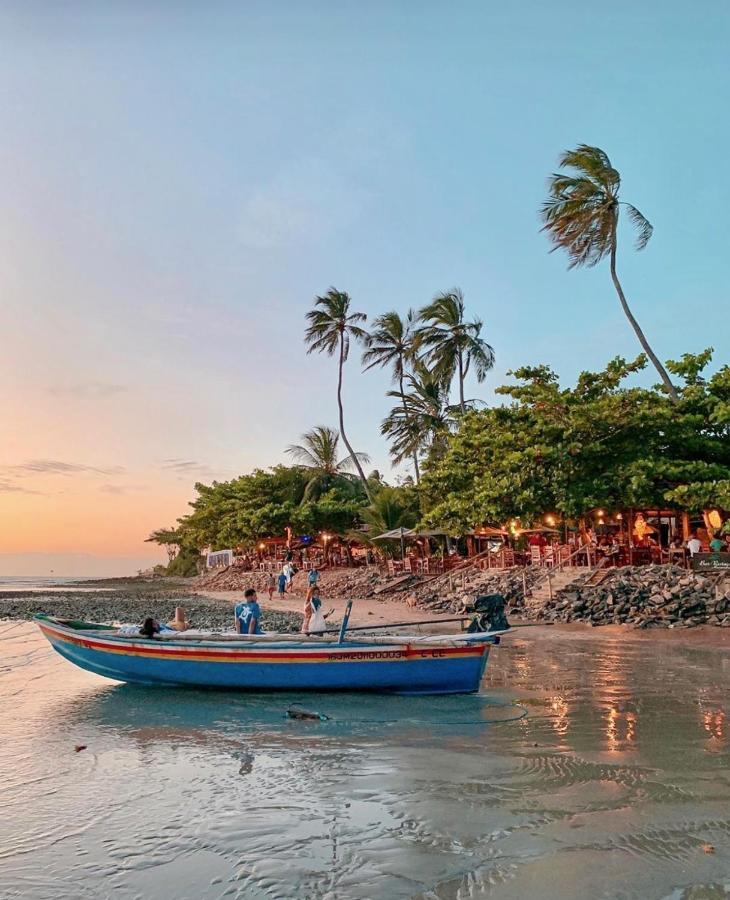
644,228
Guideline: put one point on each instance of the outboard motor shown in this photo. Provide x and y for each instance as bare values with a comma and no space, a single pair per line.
489,614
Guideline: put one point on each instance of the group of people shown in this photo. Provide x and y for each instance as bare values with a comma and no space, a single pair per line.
248,613
718,544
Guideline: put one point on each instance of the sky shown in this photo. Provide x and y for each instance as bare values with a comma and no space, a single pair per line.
178,181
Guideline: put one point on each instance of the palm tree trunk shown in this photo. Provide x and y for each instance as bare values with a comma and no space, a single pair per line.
462,403
405,407
342,421
671,390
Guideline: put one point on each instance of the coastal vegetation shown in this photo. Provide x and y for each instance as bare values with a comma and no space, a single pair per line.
599,444
603,443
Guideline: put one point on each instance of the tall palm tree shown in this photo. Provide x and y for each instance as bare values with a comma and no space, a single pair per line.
318,453
581,215
390,343
451,343
331,327
424,421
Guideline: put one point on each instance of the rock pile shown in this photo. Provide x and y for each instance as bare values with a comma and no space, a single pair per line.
439,596
644,596
347,583
116,607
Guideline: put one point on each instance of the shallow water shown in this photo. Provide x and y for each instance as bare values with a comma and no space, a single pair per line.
614,784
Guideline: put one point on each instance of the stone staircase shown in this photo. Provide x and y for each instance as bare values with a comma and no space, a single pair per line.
553,581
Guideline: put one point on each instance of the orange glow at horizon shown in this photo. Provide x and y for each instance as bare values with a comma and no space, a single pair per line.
89,520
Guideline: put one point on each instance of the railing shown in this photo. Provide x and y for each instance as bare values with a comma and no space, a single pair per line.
562,564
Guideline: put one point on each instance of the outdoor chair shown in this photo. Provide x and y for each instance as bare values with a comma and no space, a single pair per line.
535,556
548,559
408,565
508,559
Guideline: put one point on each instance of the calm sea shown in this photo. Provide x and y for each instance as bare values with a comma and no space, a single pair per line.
584,769
42,584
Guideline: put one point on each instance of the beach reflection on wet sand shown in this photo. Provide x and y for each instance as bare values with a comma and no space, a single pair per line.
615,783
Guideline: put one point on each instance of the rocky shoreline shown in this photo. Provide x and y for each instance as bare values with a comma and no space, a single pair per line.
642,597
645,597
132,604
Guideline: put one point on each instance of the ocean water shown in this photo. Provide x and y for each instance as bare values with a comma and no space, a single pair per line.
40,583
585,768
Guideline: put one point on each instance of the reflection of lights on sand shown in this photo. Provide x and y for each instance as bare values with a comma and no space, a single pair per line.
714,723
559,706
615,719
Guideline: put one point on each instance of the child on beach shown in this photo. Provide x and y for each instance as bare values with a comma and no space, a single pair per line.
271,586
282,585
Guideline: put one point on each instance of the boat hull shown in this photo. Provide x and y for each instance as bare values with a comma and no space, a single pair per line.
396,668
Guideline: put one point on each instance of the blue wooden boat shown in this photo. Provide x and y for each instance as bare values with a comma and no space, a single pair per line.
443,664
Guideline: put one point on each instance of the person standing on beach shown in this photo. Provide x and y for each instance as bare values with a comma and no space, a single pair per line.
312,581
248,614
314,618
288,572
282,585
271,586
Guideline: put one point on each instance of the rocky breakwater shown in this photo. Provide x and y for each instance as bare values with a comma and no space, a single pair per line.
644,596
452,594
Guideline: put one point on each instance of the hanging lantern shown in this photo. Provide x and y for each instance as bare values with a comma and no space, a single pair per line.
714,518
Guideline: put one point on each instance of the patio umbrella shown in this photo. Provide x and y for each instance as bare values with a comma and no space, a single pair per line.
488,531
397,534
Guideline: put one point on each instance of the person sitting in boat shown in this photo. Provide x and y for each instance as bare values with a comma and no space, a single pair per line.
248,614
150,627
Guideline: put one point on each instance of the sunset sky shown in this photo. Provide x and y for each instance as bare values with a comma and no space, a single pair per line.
177,182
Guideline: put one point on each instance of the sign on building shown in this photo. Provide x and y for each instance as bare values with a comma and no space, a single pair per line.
711,562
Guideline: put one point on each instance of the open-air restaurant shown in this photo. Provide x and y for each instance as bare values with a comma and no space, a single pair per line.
601,538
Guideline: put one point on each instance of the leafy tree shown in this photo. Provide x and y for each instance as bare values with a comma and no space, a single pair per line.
599,444
331,328
423,418
452,344
185,562
318,454
581,215
390,344
242,511
392,507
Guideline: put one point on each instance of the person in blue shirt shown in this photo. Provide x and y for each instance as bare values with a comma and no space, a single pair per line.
312,583
282,585
248,614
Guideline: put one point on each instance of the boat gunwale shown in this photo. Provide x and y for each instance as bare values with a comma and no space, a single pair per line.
242,642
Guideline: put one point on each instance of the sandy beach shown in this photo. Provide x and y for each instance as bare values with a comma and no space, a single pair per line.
377,611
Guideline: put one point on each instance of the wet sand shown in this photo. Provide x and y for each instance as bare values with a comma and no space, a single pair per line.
589,766
384,611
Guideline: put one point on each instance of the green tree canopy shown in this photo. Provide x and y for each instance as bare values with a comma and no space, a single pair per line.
598,444
263,503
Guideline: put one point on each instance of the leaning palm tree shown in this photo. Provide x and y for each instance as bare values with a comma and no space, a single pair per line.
581,215
423,423
331,327
451,343
390,343
318,453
